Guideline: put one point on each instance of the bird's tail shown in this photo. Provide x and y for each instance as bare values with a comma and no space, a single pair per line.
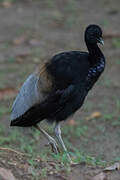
38,112
29,118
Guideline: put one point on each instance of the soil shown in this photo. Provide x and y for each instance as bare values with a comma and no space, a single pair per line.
31,32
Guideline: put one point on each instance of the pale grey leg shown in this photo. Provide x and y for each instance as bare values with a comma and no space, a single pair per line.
51,140
59,137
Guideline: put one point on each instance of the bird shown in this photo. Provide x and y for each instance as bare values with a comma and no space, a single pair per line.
59,86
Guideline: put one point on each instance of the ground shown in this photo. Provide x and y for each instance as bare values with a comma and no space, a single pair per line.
31,32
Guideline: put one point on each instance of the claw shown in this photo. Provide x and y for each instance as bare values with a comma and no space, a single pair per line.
51,140
54,146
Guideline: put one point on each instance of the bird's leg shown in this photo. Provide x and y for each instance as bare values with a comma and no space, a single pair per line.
59,137
51,140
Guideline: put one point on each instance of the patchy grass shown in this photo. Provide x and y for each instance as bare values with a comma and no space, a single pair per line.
4,110
116,42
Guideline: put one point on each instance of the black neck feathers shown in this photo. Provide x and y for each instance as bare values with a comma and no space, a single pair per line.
94,52
93,35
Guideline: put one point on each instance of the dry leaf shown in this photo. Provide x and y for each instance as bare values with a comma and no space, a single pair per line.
6,174
101,176
94,115
115,166
72,122
19,60
20,40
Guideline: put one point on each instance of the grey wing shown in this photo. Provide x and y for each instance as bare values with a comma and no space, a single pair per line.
27,97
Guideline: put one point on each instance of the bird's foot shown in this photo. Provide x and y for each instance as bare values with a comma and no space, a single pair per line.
70,160
54,146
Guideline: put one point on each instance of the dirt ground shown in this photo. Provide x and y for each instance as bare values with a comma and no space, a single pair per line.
31,32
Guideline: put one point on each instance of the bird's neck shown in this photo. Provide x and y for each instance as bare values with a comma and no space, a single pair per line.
95,53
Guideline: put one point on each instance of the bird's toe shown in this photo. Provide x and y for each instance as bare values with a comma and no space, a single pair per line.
54,146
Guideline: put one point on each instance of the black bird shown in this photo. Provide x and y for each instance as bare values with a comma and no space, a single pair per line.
58,89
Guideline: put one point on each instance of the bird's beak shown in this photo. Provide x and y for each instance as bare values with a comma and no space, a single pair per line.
101,41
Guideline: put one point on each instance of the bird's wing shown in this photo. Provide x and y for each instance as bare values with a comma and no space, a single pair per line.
50,106
66,94
34,90
27,97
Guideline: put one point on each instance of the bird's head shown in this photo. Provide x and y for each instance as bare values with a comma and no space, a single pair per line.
93,34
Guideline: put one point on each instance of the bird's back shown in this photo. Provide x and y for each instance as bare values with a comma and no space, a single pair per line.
68,67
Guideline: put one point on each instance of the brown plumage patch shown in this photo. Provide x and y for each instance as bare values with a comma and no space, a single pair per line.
45,83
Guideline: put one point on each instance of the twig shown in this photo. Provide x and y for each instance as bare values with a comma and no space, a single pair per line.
12,150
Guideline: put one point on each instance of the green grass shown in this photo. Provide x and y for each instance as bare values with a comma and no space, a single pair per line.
29,143
116,42
117,61
88,159
17,140
44,173
75,131
4,110
108,116
79,157
11,60
116,122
